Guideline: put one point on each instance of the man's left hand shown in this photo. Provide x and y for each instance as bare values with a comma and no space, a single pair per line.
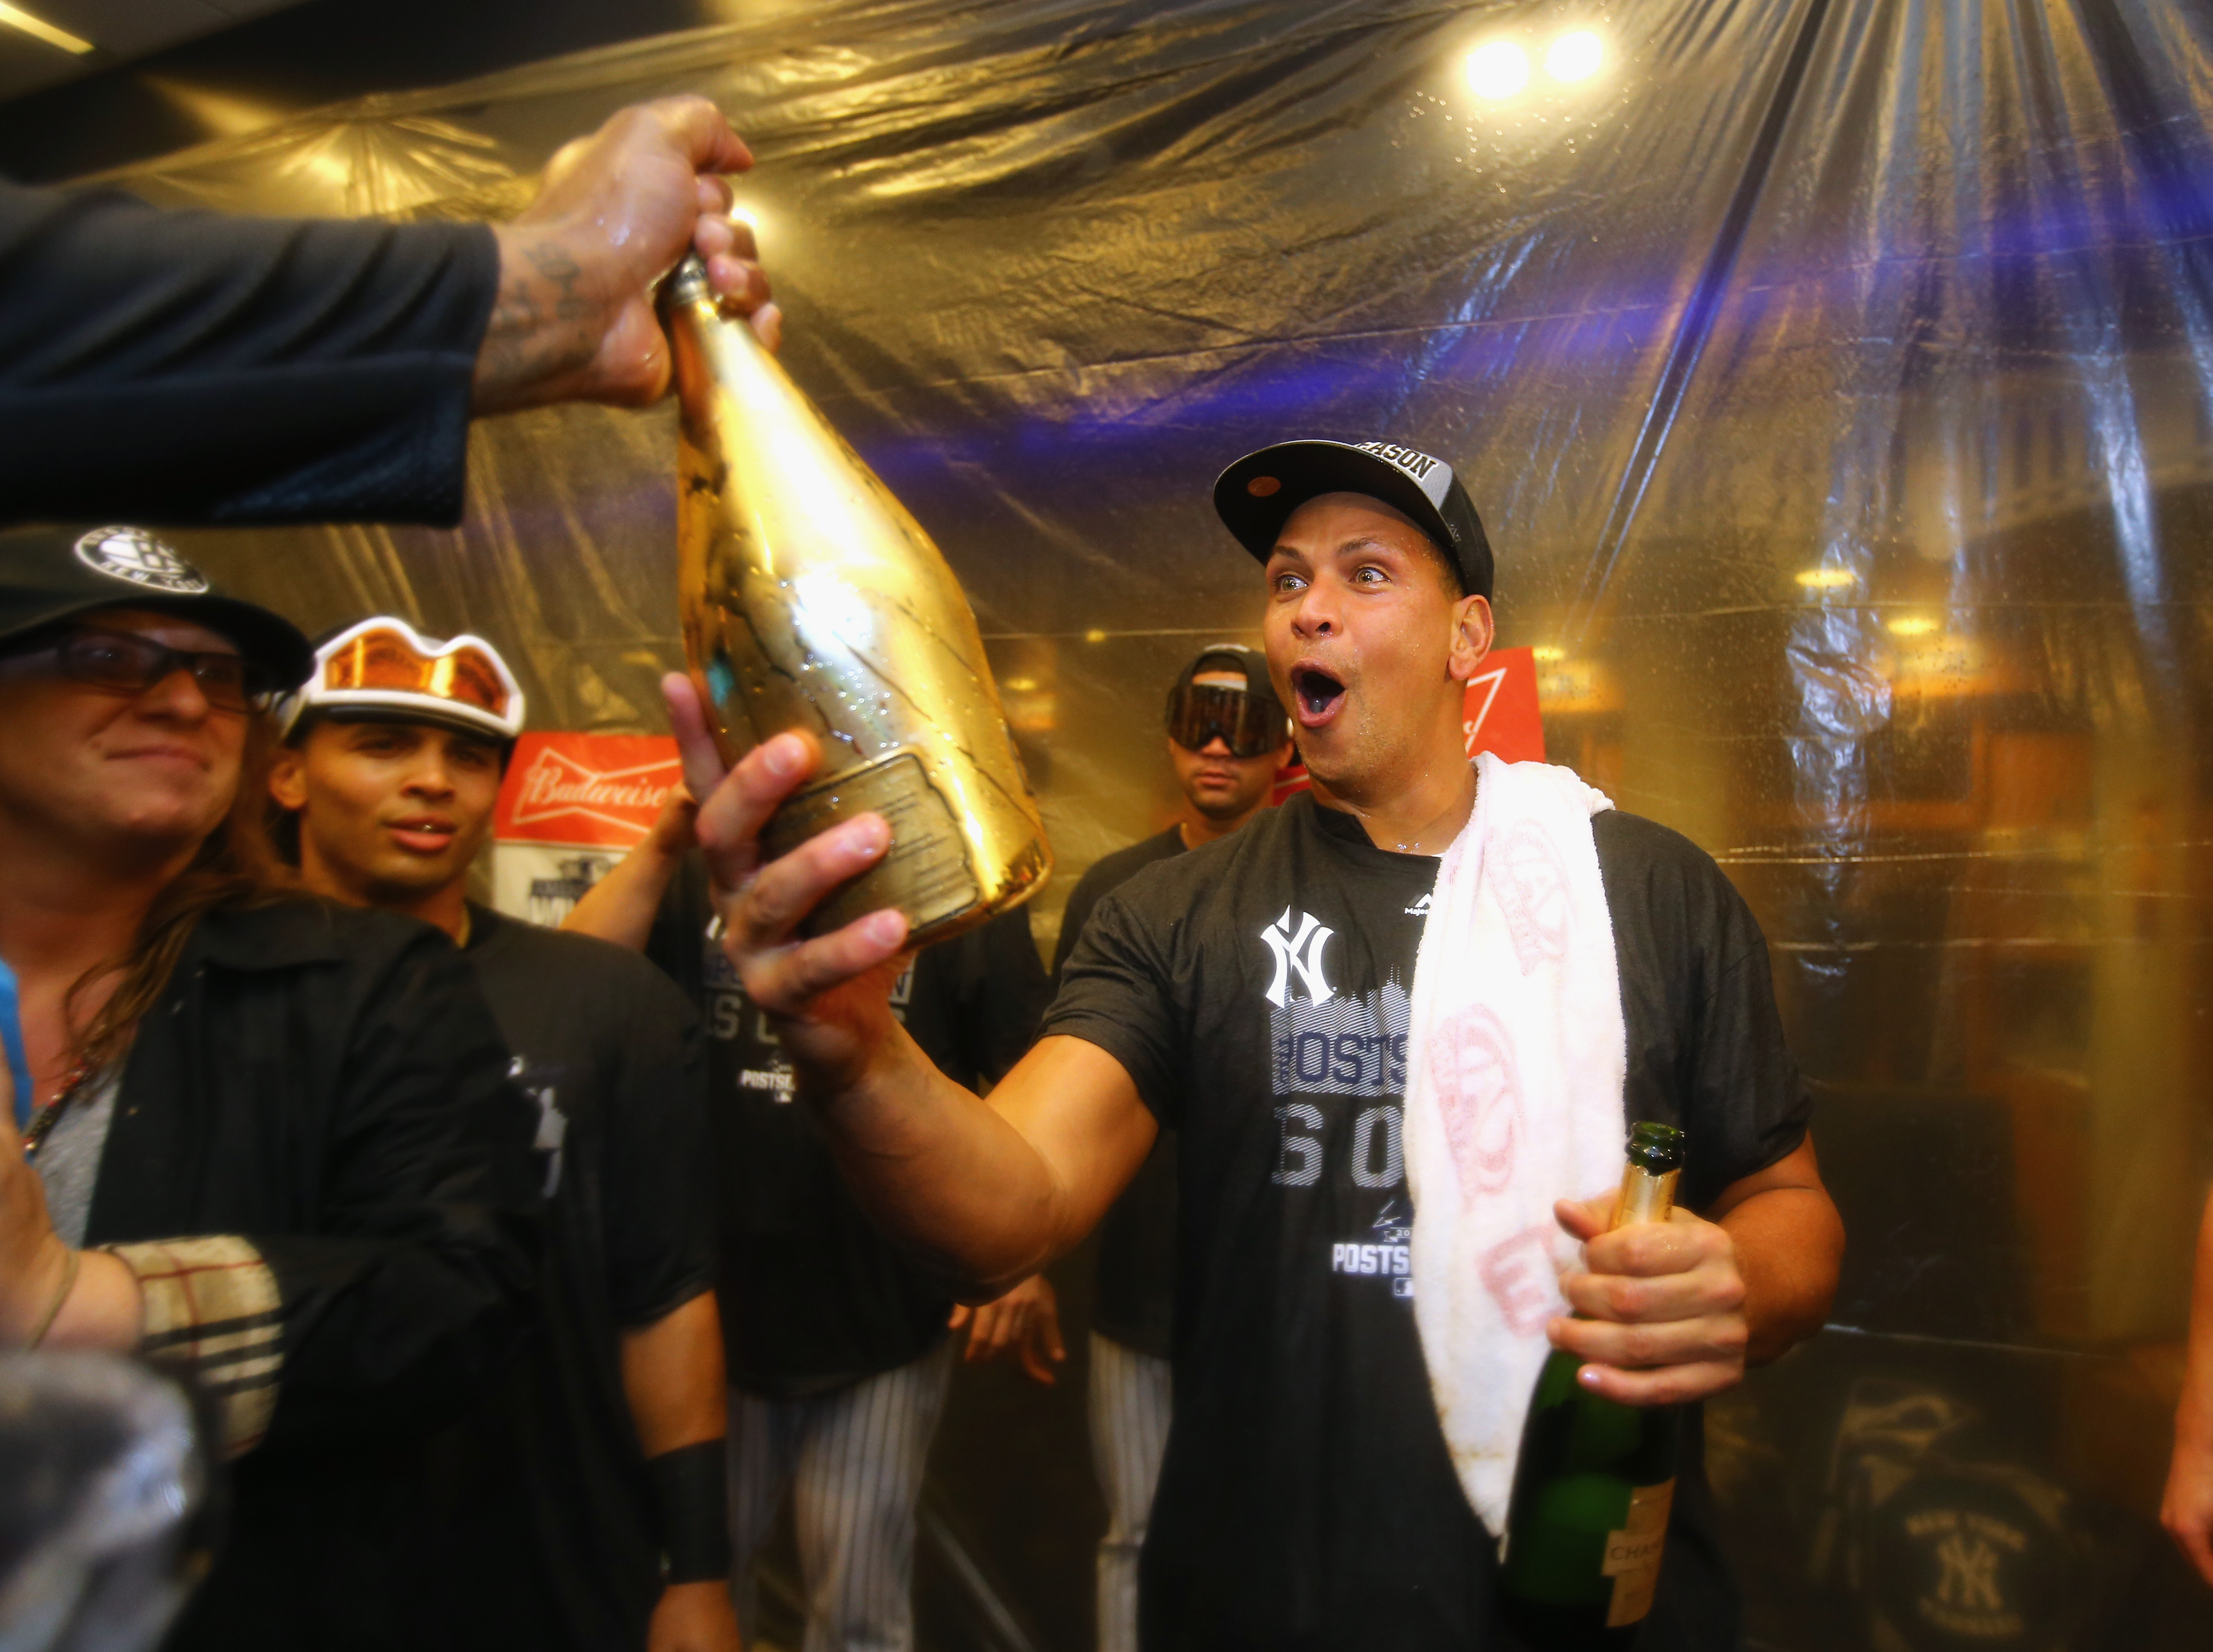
1662,1305
1025,1323
694,1617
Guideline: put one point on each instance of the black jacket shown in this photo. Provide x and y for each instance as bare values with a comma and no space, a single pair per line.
329,1084
186,367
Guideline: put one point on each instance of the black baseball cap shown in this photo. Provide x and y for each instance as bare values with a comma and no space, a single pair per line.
48,574
1233,656
1255,495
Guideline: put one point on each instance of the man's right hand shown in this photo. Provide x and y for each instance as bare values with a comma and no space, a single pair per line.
616,211
830,996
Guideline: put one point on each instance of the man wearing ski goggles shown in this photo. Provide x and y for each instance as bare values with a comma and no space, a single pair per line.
388,778
1227,737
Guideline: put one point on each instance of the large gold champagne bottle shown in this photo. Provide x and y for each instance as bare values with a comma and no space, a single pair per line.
812,600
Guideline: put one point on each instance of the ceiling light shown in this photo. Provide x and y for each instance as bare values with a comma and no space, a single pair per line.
1498,69
1020,685
1094,635
1574,56
1912,625
1827,579
1549,651
38,28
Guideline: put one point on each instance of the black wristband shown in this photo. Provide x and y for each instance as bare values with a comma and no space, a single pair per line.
692,1507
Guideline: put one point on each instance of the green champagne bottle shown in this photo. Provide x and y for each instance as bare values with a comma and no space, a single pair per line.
1589,1514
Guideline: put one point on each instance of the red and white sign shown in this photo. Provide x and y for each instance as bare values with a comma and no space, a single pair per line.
572,805
1498,714
603,790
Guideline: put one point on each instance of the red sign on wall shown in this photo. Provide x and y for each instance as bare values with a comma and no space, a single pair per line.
1499,714
595,790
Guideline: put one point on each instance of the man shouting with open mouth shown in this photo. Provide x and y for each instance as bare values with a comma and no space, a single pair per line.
1352,1098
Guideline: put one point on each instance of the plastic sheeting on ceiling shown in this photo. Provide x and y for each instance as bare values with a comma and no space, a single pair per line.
1833,377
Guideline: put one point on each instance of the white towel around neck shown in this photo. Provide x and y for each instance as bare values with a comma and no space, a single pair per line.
1514,1099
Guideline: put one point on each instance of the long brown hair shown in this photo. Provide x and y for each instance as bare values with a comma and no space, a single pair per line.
236,866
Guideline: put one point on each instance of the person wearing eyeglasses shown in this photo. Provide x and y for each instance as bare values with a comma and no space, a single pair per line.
271,1144
1229,737
583,1506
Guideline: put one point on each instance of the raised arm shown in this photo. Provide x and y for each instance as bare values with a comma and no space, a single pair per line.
990,1192
620,906
268,371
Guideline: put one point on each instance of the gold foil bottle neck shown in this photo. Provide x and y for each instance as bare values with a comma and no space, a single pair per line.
1645,1197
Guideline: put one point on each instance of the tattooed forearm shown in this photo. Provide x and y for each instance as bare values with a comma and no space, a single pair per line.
543,324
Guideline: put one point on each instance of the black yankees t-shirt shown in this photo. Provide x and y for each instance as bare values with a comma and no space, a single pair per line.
813,1297
540,1530
1257,992
1135,1301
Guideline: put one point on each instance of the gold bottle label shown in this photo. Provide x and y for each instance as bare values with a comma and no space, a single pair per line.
1632,1554
926,870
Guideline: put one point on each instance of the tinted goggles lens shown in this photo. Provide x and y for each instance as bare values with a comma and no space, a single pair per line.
387,659
121,662
1250,726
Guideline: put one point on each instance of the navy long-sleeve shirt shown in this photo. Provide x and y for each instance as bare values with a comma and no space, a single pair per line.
182,367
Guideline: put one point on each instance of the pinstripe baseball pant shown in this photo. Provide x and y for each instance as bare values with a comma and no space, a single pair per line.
853,1461
1130,1400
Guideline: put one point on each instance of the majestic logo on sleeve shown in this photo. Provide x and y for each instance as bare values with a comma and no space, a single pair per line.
134,555
1298,951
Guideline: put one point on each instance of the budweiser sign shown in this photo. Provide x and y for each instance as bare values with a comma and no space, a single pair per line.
596,790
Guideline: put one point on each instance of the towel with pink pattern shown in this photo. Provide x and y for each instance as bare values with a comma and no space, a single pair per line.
1514,1100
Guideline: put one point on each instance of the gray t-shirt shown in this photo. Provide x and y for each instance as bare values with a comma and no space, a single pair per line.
69,1159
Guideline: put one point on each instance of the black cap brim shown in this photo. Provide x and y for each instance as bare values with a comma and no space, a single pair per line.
43,583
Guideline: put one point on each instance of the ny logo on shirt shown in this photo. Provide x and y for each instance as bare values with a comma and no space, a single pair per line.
1300,951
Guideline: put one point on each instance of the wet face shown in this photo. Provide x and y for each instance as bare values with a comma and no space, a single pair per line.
389,811
1221,786
147,774
1369,642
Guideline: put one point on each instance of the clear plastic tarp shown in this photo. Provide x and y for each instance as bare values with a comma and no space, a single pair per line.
1833,377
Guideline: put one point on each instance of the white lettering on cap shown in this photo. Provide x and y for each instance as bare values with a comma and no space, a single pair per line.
136,557
1432,474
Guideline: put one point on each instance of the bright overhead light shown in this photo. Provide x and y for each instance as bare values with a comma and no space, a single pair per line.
1549,651
1575,56
1827,579
1497,68
1912,625
39,28
1094,635
747,216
